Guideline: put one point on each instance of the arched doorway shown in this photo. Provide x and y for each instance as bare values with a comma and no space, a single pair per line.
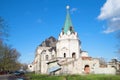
87,69
73,55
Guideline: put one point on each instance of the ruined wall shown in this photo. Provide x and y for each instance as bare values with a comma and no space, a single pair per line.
105,71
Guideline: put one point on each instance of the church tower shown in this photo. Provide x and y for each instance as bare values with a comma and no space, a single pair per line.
68,45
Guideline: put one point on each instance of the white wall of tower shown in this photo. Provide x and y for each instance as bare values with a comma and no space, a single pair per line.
68,44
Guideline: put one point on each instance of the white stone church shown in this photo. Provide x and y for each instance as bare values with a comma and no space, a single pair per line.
65,56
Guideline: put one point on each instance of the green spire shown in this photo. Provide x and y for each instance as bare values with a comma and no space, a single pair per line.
68,23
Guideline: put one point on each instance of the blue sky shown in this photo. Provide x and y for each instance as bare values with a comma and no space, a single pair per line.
32,21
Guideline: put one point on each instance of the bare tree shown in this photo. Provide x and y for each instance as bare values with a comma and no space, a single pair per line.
3,30
8,56
103,62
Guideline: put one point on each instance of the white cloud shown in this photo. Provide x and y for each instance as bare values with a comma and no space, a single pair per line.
73,10
115,19
111,13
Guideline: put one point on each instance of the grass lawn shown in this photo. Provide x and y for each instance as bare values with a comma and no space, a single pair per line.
73,77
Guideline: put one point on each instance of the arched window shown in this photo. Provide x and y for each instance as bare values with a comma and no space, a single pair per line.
73,55
64,55
47,57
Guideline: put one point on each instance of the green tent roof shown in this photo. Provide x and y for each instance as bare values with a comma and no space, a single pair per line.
68,23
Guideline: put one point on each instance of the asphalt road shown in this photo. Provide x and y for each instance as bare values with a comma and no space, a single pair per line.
12,77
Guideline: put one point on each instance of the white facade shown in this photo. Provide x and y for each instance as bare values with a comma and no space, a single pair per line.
67,45
68,55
